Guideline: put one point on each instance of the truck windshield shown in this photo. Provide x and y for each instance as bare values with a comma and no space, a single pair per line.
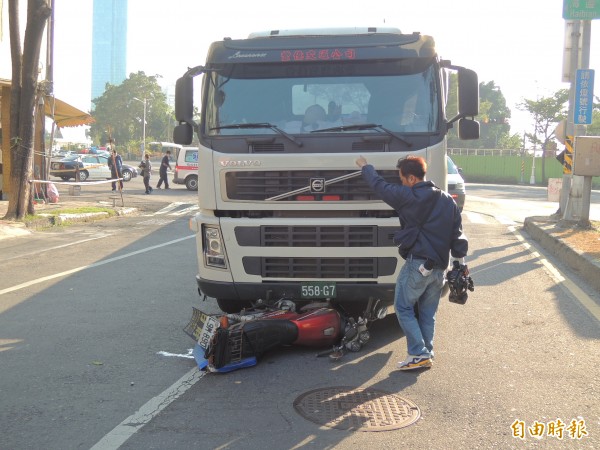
399,96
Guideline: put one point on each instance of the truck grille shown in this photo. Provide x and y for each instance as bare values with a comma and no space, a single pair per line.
319,236
315,236
262,185
325,268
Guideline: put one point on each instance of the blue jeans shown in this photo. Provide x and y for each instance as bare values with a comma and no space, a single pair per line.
413,288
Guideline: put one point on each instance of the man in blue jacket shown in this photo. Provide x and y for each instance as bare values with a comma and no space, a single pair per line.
421,278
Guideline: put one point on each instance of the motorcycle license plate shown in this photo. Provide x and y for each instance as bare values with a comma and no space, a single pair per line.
318,289
202,327
209,328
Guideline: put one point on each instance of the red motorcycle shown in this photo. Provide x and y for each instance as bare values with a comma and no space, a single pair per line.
233,341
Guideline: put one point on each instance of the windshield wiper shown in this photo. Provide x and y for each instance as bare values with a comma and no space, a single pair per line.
241,126
364,126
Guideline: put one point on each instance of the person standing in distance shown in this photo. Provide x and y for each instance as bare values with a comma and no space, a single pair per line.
440,235
162,171
146,167
115,163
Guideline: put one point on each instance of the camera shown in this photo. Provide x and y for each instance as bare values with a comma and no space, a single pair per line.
459,283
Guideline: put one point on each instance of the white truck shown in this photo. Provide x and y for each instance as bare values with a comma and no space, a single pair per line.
283,210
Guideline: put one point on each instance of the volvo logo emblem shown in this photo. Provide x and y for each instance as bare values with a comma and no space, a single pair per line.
239,163
317,185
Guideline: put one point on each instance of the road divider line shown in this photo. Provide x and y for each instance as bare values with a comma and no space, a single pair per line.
89,266
131,425
69,244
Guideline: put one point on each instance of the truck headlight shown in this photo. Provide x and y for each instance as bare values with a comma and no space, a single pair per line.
214,254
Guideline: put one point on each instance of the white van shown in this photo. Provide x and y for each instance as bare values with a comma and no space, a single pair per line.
186,167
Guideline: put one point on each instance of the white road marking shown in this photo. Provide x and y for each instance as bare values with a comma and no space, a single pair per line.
169,208
99,236
127,428
131,425
185,210
566,284
158,222
474,217
188,355
505,220
89,266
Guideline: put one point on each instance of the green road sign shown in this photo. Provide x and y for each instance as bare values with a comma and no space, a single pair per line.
581,9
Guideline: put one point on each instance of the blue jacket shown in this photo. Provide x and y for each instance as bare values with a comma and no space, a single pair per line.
441,235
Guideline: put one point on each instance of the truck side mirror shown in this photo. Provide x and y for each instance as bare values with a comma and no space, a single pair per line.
468,129
183,133
468,93
184,99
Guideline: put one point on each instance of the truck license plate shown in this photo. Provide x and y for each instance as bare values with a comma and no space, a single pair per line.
318,289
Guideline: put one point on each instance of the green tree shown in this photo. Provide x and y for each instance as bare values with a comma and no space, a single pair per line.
24,87
119,112
594,128
547,113
493,116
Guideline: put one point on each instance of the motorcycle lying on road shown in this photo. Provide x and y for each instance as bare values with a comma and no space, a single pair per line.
234,341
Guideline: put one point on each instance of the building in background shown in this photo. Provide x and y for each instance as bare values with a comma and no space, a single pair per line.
109,44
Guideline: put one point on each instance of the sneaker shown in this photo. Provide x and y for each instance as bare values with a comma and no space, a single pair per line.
414,362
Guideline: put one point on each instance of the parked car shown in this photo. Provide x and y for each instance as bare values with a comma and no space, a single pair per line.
90,167
60,154
456,184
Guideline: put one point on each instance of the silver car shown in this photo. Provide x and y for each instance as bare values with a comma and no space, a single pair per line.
456,184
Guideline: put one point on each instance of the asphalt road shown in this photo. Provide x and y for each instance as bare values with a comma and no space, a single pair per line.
93,353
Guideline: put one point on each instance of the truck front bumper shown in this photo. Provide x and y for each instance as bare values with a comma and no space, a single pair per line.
346,292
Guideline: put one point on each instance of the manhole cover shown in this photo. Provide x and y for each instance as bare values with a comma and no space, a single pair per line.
357,409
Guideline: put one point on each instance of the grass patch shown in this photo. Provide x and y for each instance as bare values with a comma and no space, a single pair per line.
45,217
78,210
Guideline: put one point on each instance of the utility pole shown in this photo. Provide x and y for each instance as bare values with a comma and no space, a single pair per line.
535,139
572,193
143,126
49,90
523,162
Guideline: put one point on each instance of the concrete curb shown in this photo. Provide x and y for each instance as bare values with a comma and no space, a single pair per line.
49,220
540,230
